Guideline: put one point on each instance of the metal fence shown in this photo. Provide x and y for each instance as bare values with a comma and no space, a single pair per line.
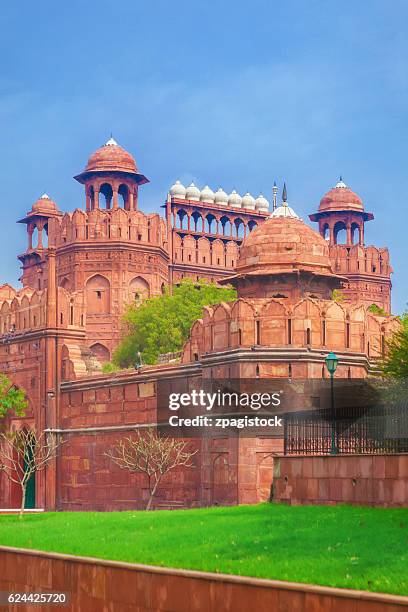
382,429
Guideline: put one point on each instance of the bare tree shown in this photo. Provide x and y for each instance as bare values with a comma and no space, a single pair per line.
23,453
152,455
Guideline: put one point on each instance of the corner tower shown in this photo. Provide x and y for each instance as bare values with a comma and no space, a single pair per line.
341,217
37,220
111,254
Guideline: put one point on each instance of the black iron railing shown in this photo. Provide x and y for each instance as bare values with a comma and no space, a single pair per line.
382,429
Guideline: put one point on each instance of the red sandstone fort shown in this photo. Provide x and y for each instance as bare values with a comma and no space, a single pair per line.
82,268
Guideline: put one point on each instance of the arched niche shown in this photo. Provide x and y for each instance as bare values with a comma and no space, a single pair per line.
97,291
139,290
101,352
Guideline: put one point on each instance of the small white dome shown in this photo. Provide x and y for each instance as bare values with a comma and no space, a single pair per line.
248,201
221,197
284,211
207,195
178,190
234,199
192,192
261,203
341,184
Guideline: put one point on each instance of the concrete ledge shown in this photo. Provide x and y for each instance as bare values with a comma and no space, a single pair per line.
96,584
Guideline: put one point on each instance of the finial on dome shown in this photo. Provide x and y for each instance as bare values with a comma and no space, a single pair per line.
340,184
284,194
45,196
111,141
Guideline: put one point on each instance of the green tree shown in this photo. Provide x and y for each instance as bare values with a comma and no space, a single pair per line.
395,363
338,296
162,324
11,398
377,310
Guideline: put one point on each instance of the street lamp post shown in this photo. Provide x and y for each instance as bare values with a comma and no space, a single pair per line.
138,361
331,364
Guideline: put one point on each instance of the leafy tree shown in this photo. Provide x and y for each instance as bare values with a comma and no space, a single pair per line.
395,363
152,455
162,324
11,398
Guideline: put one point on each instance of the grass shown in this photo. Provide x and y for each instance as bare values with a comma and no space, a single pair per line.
340,546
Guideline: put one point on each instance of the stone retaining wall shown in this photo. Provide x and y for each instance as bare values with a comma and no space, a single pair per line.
96,585
374,480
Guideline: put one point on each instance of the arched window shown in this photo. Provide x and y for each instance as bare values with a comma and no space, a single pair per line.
210,224
97,290
35,237
340,233
197,222
105,195
355,233
326,231
239,228
45,236
226,226
123,193
182,219
91,193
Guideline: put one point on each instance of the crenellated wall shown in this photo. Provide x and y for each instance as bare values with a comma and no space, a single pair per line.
308,324
105,225
368,271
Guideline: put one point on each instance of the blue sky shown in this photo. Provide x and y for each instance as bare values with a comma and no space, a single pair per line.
230,93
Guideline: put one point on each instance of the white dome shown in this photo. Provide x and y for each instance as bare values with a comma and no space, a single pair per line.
341,184
261,203
221,197
284,211
207,195
234,199
178,190
192,192
248,201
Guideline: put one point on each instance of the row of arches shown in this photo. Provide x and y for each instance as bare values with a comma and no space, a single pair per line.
307,324
111,194
369,260
115,224
343,232
37,234
98,293
216,225
205,252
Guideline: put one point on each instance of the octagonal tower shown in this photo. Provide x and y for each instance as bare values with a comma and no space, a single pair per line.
341,217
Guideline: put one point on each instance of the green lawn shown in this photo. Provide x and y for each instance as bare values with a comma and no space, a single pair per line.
342,546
